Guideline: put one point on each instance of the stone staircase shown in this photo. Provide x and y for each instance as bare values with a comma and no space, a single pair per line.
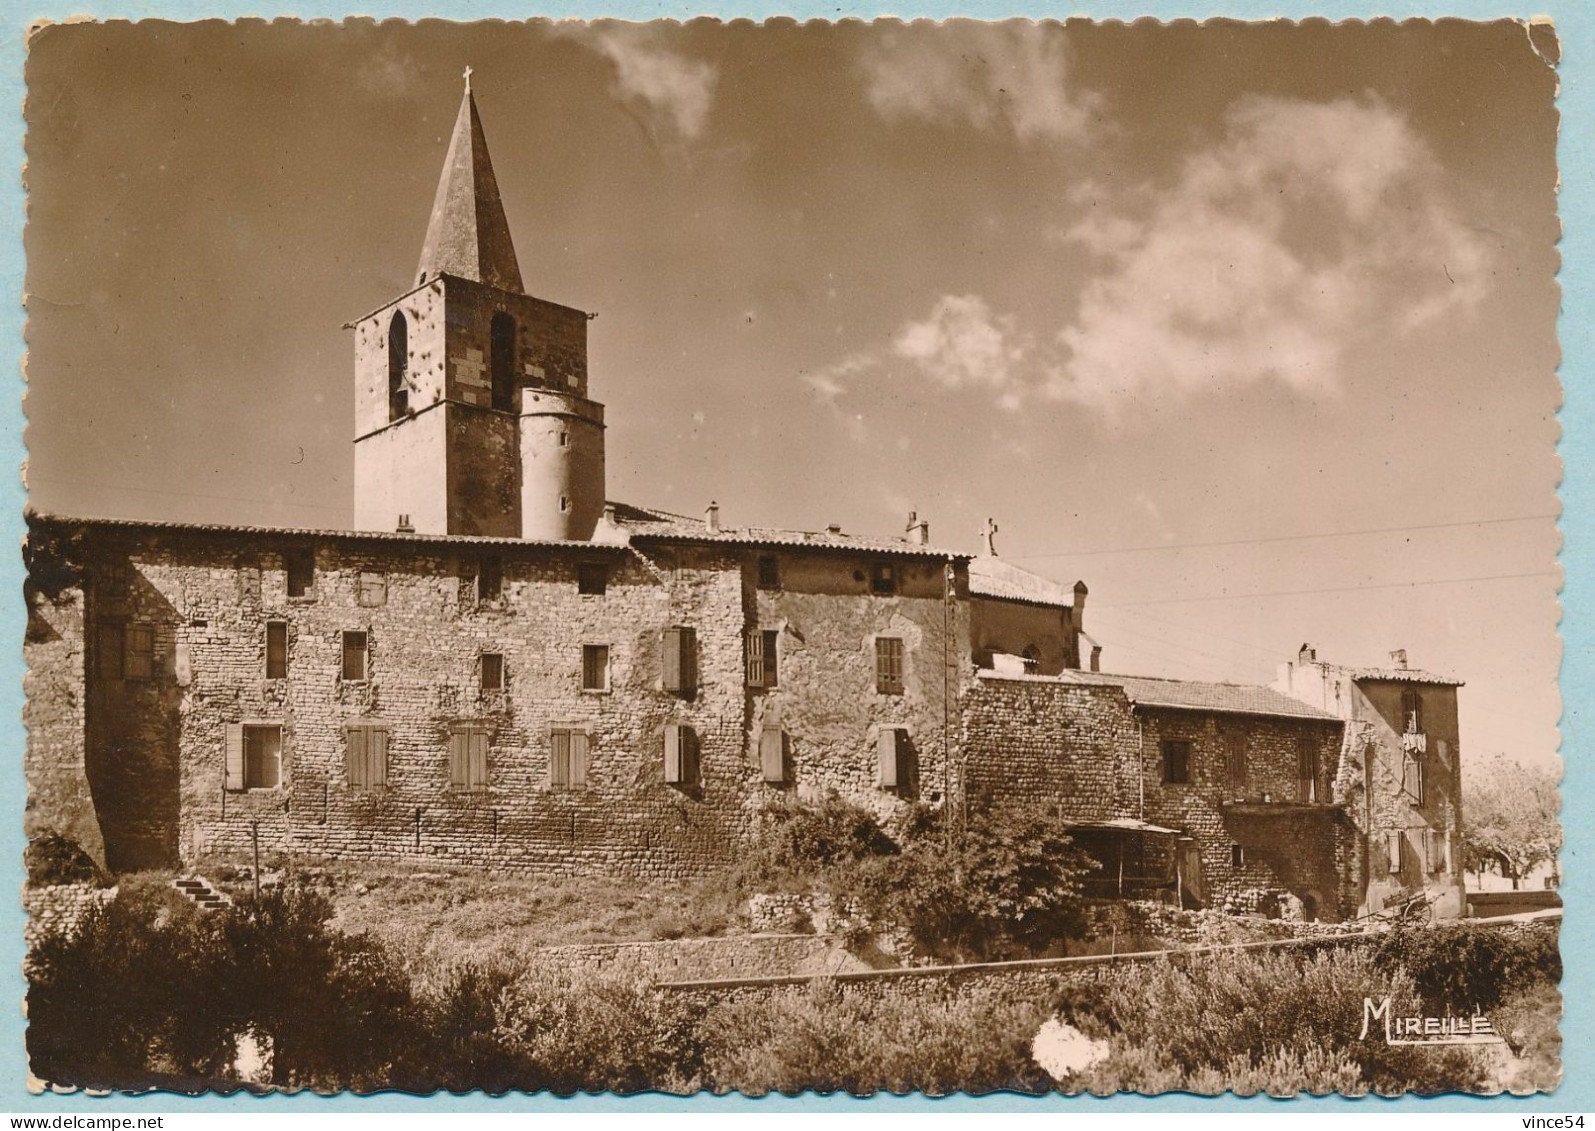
199,889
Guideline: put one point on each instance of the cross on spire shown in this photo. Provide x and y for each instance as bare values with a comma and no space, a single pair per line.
988,533
467,76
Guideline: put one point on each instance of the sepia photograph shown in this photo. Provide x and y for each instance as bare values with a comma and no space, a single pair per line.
740,557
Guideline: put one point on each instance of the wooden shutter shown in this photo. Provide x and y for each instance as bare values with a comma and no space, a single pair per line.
675,766
887,743
1235,761
888,665
680,659
234,759
755,650
1412,780
1393,850
1307,767
276,649
578,759
377,756
477,770
559,759
460,759
355,756
140,642
772,754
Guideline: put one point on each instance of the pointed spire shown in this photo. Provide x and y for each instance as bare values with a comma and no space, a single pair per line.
468,235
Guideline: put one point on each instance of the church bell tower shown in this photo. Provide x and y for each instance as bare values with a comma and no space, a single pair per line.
471,406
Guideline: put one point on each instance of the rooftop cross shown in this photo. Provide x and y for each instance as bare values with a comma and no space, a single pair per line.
988,533
467,76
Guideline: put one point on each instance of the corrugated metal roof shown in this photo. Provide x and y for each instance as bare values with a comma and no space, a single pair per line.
992,577
648,522
1192,695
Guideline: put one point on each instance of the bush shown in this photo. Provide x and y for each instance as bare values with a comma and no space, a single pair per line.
800,840
1462,965
55,859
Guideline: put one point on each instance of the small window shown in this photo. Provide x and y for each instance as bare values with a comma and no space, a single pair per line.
595,667
1393,851
564,504
1412,780
679,660
490,579
262,757
883,578
592,577
492,671
564,439
1032,658
373,588
769,571
354,657
1176,762
301,565
140,652
276,649
888,665
468,766
1307,784
681,754
112,649
567,759
1412,710
772,754
763,659
1237,856
365,750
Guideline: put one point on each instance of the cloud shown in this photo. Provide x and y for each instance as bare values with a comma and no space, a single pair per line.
962,344
1307,230
673,86
1010,75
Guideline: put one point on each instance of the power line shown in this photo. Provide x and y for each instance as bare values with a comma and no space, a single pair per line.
1337,589
182,494
1288,537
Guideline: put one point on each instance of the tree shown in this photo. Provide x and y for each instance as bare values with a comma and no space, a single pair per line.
1509,817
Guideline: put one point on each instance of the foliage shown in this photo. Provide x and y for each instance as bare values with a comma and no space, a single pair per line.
1007,886
1512,823
1461,965
801,839
55,859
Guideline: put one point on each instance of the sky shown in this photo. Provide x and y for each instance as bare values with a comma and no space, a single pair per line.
1250,327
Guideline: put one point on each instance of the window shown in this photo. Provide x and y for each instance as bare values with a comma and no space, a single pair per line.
763,661
276,649
891,751
365,753
769,571
468,757
492,671
888,665
595,667
1307,768
592,577
1176,762
1412,710
113,649
1393,851
398,363
883,578
1237,856
772,754
564,504
681,754
680,660
1235,761
373,588
567,759
354,656
1433,857
1412,780
301,565
1032,658
253,756
501,361
490,579
140,663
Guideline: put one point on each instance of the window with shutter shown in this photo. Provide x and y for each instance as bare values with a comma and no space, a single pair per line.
763,660
373,588
595,667
301,568
681,760
1412,780
1393,850
477,767
889,750
112,638
1176,762
262,756
366,755
233,757
1306,768
492,671
354,657
140,663
1412,710
592,578
772,754
888,665
276,649
680,660
468,768
578,759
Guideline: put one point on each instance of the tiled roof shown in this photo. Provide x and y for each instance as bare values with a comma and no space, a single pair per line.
992,577
1191,695
649,522
1404,675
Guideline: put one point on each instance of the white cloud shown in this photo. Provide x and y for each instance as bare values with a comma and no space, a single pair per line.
672,85
1309,229
962,344
1012,75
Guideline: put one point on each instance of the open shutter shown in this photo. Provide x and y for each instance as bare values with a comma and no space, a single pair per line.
478,755
1393,850
578,760
755,659
672,660
772,754
675,767
356,765
235,756
1412,780
559,759
460,759
886,746
377,756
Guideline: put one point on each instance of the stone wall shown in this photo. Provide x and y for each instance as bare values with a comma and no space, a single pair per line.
59,908
676,960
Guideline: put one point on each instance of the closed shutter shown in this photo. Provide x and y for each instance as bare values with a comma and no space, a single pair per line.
578,760
680,669
478,758
772,754
886,746
377,756
1393,850
755,659
1412,780
559,759
460,759
234,758
356,764
675,770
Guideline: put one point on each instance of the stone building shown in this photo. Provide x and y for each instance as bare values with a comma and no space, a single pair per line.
500,667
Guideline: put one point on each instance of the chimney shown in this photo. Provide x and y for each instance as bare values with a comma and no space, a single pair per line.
405,526
1399,658
1307,654
610,514
711,517
918,529
1077,614
834,528
1096,657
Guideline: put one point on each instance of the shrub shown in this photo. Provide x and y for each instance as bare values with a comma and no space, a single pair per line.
800,839
1462,965
55,859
